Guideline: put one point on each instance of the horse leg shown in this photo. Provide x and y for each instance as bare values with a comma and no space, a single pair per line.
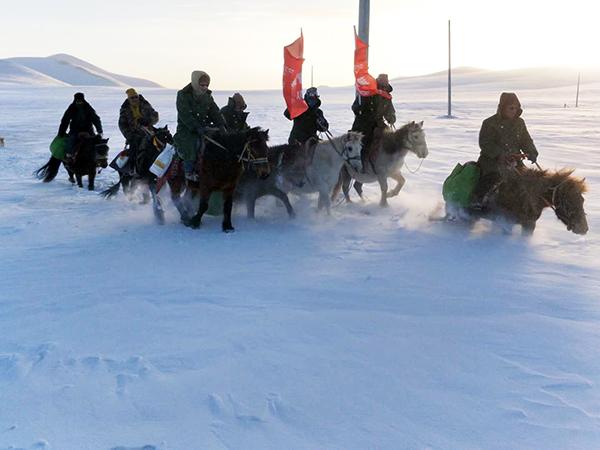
358,188
159,213
527,228
384,187
286,201
346,180
324,201
91,179
400,180
196,220
79,180
227,206
71,175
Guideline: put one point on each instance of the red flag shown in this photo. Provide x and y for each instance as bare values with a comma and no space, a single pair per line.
292,77
365,83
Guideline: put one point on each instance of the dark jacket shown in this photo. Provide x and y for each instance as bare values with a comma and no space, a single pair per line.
370,113
307,124
127,123
500,136
78,119
234,120
194,113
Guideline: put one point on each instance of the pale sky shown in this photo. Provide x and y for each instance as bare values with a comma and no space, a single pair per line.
240,43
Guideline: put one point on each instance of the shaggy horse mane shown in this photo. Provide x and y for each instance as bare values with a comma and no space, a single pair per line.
530,180
392,140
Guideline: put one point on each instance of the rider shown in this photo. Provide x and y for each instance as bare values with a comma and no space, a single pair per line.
79,118
136,112
502,138
196,113
234,114
373,114
310,121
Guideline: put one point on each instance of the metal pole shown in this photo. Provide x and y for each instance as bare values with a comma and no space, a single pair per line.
363,20
449,72
312,79
577,97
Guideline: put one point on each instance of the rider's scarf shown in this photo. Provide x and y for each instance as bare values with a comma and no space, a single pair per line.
137,113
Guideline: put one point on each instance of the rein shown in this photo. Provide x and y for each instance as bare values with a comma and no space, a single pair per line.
340,153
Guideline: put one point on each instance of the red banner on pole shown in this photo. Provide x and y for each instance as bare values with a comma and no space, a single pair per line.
292,77
366,85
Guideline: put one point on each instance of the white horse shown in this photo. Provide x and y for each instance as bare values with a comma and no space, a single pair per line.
393,148
318,171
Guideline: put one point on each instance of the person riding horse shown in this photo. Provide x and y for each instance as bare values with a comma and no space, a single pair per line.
234,115
196,113
373,114
503,140
307,124
79,118
136,112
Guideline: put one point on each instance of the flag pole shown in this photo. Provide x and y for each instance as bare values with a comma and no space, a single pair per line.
449,71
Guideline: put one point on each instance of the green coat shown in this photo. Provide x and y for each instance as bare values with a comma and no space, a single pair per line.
235,120
194,113
499,136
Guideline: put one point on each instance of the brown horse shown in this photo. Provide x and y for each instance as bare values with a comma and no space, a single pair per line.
219,168
522,196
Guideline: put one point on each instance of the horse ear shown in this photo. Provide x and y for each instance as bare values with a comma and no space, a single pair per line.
421,124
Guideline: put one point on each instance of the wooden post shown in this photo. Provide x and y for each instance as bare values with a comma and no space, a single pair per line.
449,71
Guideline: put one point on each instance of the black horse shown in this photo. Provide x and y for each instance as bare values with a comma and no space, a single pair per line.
220,167
288,164
137,170
90,154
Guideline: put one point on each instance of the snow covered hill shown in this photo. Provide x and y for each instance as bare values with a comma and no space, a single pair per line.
367,329
62,70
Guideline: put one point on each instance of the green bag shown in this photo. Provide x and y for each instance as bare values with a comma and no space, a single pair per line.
215,204
58,147
459,186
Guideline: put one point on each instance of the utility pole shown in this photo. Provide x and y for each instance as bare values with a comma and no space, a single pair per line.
577,97
363,20
449,72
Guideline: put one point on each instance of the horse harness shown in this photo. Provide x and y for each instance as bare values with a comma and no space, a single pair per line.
342,154
246,155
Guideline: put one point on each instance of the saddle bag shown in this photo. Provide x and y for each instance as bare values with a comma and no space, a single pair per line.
58,147
161,164
460,184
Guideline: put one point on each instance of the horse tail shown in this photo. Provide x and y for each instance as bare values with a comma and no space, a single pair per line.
111,191
49,170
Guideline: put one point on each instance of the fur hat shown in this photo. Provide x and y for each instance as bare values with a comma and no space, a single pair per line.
238,100
131,92
79,97
509,98
199,76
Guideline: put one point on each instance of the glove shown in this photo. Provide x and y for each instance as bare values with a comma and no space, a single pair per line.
532,158
100,135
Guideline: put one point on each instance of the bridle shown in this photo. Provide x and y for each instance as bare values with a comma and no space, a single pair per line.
342,153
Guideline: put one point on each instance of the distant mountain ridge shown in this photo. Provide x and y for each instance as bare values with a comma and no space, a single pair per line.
62,70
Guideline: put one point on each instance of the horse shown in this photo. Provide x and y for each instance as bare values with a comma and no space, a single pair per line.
219,167
318,170
154,142
91,153
288,159
392,149
522,195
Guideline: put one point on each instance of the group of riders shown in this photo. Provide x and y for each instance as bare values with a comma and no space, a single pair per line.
504,140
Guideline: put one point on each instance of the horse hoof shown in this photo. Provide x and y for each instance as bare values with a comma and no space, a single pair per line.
228,229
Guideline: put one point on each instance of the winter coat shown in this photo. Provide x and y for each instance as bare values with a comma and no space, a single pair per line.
500,136
369,113
128,125
307,124
234,120
79,119
194,113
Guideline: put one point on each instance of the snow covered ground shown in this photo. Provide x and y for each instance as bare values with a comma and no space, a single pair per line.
368,329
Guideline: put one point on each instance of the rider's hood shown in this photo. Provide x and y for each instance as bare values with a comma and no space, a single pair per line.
508,98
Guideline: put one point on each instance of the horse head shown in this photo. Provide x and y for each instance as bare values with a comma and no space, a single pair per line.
101,151
351,147
414,138
567,201
257,151
162,137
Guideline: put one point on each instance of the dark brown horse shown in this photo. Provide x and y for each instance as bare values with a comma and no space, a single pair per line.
219,168
91,153
522,196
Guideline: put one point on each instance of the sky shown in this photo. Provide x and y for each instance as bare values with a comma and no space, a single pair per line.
240,42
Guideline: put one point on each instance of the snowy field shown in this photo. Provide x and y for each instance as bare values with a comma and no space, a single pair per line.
367,329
